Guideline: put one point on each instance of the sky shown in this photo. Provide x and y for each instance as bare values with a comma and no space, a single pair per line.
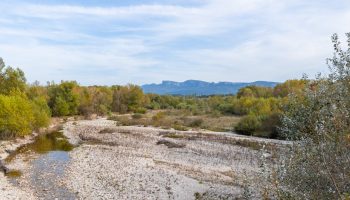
108,42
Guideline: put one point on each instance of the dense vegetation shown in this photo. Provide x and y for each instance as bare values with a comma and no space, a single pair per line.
19,113
27,107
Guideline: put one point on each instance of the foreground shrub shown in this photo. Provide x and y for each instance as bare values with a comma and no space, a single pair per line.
319,164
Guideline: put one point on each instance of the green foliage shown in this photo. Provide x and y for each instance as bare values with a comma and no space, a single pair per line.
16,116
11,79
60,107
68,98
248,125
20,115
63,100
128,98
41,112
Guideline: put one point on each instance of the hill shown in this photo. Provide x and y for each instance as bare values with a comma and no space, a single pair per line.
196,87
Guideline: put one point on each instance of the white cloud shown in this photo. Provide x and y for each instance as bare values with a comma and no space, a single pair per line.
256,39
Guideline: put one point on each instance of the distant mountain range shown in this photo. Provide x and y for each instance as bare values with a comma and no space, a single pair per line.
195,87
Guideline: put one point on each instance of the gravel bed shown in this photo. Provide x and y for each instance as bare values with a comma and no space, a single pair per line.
119,162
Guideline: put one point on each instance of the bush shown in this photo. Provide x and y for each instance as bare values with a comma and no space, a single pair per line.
269,126
158,116
137,116
195,122
41,112
179,127
140,110
318,165
16,116
248,125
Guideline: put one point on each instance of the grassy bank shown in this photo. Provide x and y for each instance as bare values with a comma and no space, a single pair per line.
178,120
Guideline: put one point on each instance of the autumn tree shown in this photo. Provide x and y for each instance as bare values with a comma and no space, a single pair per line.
295,87
128,98
255,91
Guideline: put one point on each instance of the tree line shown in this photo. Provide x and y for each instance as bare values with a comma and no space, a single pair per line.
27,107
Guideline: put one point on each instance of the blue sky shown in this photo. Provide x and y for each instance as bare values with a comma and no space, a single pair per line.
109,42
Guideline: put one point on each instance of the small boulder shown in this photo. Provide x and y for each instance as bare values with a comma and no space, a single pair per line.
170,144
3,168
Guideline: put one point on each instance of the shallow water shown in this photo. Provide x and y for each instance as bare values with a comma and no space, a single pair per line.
48,168
43,144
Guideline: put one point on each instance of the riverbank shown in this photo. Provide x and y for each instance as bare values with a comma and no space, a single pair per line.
7,148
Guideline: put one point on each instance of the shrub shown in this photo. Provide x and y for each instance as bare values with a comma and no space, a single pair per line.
137,116
269,126
140,110
319,166
248,125
41,112
16,116
158,116
195,122
179,127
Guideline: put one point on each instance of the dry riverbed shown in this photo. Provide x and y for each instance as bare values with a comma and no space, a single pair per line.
117,162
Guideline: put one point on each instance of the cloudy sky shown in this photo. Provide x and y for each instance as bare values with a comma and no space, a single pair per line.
144,41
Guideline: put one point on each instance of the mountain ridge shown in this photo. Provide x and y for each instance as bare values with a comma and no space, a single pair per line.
198,87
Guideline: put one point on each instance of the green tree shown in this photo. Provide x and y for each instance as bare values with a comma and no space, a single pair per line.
128,98
11,79
63,99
